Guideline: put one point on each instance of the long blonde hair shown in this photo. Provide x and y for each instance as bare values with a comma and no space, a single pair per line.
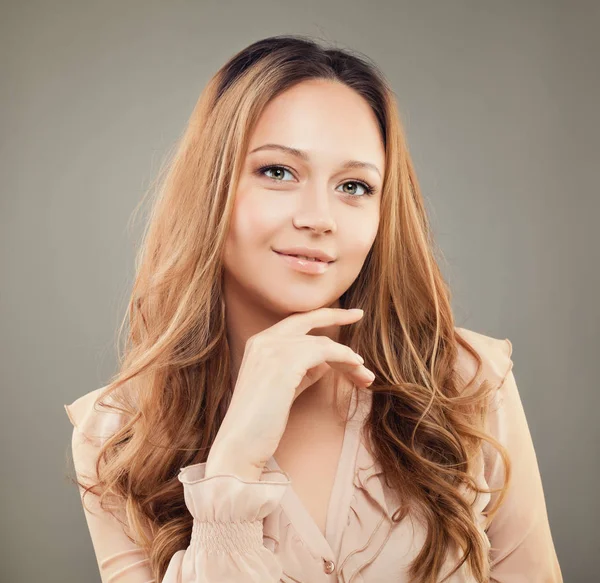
174,382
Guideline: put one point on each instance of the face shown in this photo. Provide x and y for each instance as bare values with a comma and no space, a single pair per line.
286,199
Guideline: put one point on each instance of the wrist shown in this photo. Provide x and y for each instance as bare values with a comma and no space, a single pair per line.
224,461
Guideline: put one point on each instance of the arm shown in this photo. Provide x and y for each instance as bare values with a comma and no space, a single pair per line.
226,543
522,546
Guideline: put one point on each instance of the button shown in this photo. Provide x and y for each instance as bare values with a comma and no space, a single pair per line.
328,566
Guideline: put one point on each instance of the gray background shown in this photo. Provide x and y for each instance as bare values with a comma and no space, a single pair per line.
500,102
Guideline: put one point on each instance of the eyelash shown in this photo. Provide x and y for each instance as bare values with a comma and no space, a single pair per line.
369,190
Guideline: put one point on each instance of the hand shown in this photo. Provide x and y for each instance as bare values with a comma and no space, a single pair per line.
278,364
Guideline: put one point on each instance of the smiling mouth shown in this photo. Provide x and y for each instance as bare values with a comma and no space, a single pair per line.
304,257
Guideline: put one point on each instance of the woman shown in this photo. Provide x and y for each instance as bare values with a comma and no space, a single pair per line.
260,427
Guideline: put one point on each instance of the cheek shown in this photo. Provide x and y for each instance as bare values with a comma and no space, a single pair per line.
359,239
254,220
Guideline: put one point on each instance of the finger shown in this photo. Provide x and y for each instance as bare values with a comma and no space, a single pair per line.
304,322
357,373
339,356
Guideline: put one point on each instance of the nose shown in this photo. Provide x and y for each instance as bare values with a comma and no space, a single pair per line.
314,213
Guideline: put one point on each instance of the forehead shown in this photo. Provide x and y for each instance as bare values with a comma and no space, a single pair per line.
327,119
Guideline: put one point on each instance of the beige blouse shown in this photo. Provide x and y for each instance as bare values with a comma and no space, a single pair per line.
261,532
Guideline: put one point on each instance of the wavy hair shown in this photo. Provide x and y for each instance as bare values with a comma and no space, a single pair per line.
173,383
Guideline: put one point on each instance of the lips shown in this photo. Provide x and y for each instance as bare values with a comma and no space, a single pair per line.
303,257
313,259
304,265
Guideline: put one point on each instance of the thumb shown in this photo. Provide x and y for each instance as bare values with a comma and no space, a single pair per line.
312,376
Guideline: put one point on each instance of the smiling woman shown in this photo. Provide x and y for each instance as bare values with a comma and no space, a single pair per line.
259,428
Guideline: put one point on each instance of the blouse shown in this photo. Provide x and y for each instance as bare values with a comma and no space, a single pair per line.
259,531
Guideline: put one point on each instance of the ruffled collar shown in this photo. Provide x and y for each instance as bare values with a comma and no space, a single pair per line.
361,510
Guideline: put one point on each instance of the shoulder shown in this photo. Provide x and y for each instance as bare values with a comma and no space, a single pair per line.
495,354
92,421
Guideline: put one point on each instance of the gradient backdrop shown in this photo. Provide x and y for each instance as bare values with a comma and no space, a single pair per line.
500,103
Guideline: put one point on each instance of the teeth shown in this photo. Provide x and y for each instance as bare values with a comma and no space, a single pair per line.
308,258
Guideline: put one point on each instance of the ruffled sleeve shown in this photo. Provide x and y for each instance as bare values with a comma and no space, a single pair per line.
522,548
227,532
521,545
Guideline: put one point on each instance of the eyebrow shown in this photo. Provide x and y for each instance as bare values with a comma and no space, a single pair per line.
304,156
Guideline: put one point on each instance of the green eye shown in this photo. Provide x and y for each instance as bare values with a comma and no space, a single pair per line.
267,168
368,189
